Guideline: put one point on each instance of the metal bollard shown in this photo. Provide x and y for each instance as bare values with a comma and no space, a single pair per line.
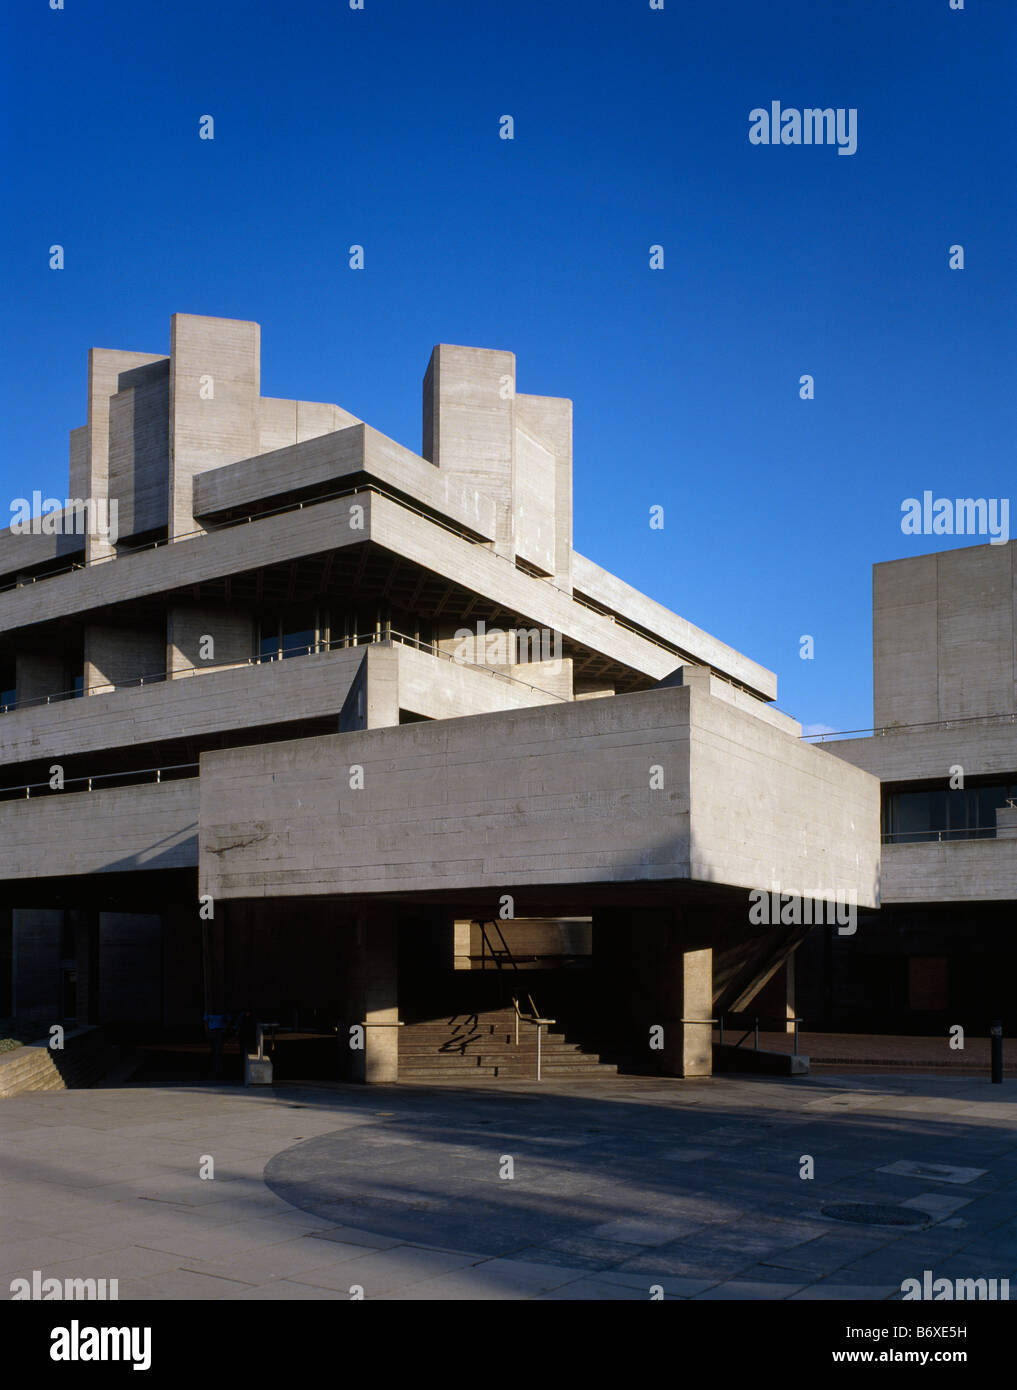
996,1036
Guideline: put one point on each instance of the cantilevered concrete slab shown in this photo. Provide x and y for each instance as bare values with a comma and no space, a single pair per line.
559,795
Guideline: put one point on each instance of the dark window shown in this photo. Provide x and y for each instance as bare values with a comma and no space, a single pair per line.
292,633
8,683
969,813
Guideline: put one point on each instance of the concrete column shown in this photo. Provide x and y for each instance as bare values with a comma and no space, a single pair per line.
375,995
105,367
774,1005
650,976
214,389
373,698
695,970
468,433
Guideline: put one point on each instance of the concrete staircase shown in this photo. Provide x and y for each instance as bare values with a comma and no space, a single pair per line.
474,1046
85,1058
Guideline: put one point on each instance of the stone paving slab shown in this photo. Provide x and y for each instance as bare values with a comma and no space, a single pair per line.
619,1186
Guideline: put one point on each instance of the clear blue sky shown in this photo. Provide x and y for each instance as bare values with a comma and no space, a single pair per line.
380,127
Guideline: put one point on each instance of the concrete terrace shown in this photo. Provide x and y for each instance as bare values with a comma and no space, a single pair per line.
618,1186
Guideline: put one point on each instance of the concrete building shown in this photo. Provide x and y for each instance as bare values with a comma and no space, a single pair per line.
943,949
353,737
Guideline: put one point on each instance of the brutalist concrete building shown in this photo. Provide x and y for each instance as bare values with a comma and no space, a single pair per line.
352,737
943,948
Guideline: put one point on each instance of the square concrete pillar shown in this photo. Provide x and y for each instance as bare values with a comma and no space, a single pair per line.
468,426
695,1054
375,996
105,368
214,390
774,1005
654,978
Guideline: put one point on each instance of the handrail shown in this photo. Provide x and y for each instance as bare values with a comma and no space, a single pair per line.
535,1019
969,832
754,1030
462,531
881,730
87,782
364,639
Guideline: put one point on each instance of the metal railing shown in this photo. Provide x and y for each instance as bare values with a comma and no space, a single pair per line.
881,730
462,531
24,793
384,637
533,1017
924,837
754,1030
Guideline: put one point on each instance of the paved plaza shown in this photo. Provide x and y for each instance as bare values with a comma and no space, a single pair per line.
564,1190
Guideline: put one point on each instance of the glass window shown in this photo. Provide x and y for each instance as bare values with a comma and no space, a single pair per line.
8,684
292,633
957,807
917,816
298,641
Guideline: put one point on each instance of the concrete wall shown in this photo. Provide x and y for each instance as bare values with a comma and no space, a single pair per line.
468,427
119,830
107,371
628,603
139,448
207,433
272,692
282,423
121,655
21,553
232,632
438,689
41,673
981,749
341,458
548,419
950,871
534,502
769,810
945,635
542,796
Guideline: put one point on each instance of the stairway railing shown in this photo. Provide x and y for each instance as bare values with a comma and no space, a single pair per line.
534,1018
499,954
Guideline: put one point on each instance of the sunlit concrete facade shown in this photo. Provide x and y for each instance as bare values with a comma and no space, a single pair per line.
323,702
943,949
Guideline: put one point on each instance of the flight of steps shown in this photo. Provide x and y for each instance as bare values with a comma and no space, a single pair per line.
472,1046
85,1058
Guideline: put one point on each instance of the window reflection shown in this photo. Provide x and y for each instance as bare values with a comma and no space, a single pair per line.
955,813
